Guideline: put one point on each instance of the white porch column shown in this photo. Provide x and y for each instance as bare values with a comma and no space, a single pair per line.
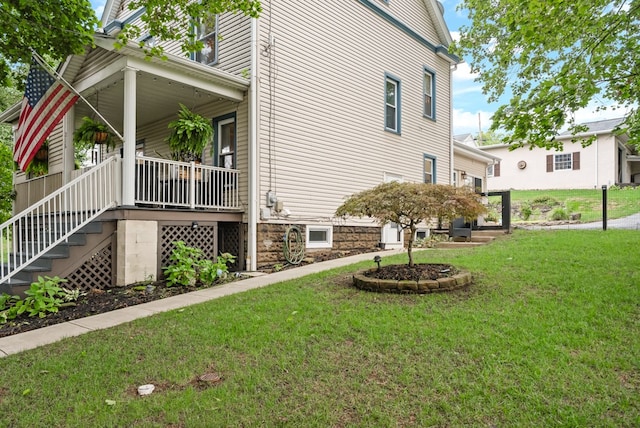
68,158
129,134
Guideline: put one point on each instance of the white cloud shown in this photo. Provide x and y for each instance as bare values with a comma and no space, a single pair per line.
469,122
463,73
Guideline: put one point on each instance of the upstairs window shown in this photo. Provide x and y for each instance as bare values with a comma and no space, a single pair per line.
206,31
429,169
392,105
428,94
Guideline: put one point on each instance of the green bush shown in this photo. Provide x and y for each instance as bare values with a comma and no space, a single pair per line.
526,210
558,214
546,200
190,266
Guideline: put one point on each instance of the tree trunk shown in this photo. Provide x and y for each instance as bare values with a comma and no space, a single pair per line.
412,228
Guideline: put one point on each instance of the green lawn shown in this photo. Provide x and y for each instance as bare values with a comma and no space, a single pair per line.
547,336
587,202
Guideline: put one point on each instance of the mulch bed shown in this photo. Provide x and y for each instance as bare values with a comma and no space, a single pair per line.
431,271
101,301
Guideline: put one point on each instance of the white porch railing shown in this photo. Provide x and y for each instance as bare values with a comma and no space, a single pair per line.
167,183
36,230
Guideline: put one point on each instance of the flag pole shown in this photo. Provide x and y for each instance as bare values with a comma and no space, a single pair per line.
57,75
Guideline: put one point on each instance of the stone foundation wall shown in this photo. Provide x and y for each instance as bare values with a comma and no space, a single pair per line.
346,240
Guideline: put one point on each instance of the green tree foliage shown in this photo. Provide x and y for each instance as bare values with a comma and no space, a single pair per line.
554,56
174,20
409,204
57,28
61,27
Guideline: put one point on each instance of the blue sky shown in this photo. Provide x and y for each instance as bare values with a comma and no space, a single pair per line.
470,106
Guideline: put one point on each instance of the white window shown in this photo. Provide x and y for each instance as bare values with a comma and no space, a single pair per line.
422,233
490,171
429,169
562,161
207,33
428,94
392,105
319,236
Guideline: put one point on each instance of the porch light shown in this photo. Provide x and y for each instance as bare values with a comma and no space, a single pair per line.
377,260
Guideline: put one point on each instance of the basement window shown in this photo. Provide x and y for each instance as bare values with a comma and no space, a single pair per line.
319,236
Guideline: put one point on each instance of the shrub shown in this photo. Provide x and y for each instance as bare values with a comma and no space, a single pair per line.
526,211
558,214
190,266
546,200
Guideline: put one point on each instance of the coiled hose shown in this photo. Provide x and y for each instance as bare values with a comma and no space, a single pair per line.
293,247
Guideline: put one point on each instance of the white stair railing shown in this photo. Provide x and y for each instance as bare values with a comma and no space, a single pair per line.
38,229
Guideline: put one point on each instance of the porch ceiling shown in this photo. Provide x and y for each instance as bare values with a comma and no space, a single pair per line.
160,86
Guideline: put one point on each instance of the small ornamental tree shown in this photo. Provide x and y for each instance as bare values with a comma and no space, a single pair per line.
409,204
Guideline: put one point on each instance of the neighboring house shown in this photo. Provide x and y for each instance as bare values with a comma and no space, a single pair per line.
310,104
471,165
607,161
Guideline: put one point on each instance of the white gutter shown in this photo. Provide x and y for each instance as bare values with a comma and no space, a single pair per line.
252,221
452,68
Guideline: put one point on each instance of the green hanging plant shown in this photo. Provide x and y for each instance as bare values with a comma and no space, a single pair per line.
92,132
190,134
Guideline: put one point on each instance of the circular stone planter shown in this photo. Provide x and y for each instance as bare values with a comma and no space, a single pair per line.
423,286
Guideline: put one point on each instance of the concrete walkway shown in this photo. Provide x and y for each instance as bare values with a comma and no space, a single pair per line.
44,336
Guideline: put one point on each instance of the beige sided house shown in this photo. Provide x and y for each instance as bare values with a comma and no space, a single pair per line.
310,103
607,161
471,165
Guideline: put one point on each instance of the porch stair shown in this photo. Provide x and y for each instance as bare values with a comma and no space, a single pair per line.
56,262
478,238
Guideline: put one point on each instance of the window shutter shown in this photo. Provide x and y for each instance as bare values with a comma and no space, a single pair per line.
576,160
549,163
496,170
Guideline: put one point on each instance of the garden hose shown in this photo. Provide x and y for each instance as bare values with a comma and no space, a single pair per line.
293,248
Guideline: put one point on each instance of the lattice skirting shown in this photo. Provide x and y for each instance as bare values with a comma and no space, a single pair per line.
203,237
95,273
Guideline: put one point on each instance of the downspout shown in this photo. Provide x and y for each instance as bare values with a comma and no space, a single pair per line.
597,160
452,68
252,221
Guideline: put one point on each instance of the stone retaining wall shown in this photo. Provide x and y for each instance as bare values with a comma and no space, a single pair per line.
423,286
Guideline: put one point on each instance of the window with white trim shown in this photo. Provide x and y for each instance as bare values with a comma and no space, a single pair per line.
490,171
562,161
319,236
206,31
392,104
429,169
428,94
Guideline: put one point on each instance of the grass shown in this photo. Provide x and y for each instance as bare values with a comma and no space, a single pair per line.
621,202
547,336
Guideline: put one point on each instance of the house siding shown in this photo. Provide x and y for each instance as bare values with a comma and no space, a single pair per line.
598,167
327,107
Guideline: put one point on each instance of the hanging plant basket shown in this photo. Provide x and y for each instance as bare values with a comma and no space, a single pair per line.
42,154
93,132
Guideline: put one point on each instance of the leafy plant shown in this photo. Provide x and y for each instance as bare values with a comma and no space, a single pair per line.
92,132
43,296
37,167
559,214
190,134
526,211
190,266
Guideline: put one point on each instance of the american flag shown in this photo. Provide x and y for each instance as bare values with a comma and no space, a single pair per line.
45,102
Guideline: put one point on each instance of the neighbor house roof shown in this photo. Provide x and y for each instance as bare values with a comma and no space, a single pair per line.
598,127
